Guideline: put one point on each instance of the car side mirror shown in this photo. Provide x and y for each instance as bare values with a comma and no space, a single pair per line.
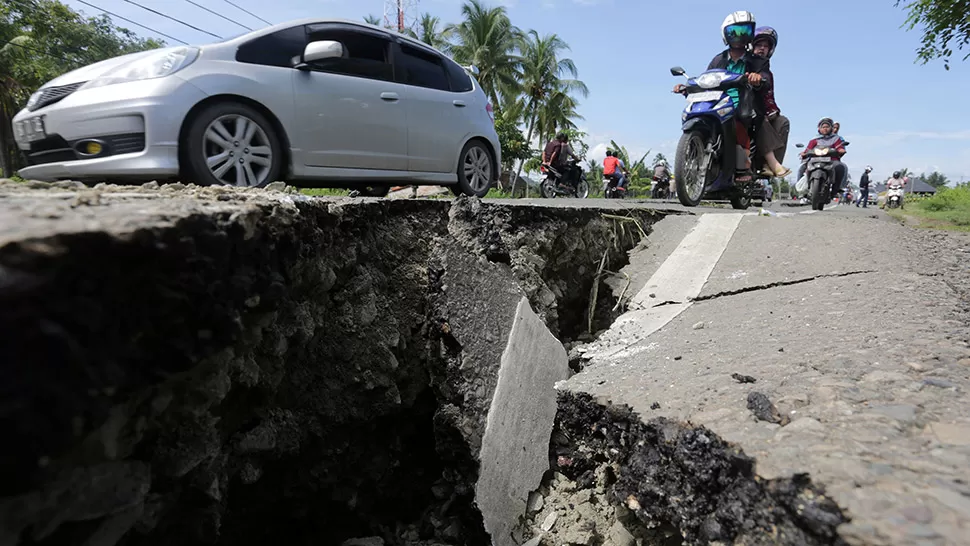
799,145
321,50
677,71
473,70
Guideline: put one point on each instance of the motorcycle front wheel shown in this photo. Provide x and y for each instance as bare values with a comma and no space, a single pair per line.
818,195
688,160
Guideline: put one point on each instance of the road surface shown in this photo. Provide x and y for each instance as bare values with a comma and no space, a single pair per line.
855,327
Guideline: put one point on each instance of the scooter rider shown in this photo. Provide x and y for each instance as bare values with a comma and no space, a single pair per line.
613,168
737,32
826,139
772,138
661,174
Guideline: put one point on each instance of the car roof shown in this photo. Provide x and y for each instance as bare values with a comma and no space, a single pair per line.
317,20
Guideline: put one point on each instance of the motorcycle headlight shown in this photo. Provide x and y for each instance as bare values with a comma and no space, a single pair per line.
157,65
821,151
711,80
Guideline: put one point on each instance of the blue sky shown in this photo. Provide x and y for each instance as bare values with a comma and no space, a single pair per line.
851,62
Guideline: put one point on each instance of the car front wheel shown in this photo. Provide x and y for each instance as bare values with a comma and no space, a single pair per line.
476,169
232,144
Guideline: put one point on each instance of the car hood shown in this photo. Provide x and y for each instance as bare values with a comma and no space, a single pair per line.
98,69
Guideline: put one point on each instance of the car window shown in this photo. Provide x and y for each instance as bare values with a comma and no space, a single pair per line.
366,54
461,82
423,69
276,49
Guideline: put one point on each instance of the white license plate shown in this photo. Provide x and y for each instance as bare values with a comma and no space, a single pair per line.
705,96
821,159
31,129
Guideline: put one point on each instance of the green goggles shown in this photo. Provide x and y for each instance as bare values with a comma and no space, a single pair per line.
743,30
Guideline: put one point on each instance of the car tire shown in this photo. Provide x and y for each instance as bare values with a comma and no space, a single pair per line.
247,131
476,168
374,190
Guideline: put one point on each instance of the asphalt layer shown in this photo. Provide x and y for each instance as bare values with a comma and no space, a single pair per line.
855,328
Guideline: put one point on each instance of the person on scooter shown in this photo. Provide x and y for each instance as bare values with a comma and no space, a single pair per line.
772,138
661,176
555,155
613,168
835,131
737,32
864,188
826,139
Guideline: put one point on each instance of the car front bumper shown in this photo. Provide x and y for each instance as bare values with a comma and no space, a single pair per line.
138,124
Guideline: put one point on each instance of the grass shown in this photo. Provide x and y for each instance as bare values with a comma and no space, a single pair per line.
325,192
949,209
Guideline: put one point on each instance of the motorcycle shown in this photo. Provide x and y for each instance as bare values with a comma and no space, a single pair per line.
661,187
610,188
553,184
707,161
894,197
819,173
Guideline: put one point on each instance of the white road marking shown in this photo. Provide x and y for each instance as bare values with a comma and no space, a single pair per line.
680,278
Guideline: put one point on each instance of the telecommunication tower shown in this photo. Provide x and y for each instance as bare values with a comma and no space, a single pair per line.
400,15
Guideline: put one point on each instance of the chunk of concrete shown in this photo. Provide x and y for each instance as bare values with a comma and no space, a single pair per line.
515,446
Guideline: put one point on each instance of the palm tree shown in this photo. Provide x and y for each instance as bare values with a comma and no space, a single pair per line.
487,39
543,83
373,20
558,113
430,33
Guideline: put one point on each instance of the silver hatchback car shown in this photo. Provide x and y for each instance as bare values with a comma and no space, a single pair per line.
316,102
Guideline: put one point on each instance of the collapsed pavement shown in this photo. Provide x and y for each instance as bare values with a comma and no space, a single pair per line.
219,366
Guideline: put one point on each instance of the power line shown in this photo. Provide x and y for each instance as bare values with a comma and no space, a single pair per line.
132,22
174,19
218,14
247,11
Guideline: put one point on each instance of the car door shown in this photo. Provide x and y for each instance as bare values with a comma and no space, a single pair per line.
350,111
436,115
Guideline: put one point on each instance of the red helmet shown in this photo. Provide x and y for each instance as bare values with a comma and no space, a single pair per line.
767,33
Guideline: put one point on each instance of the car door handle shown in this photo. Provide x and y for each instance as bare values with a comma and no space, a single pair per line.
390,97
459,103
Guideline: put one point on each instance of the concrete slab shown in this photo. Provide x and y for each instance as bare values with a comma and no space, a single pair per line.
514,452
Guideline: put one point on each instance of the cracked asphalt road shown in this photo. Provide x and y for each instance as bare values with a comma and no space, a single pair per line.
863,346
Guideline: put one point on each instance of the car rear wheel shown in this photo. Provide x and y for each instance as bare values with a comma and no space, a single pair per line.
232,144
476,169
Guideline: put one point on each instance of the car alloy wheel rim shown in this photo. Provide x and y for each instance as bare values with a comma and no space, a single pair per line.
477,168
237,151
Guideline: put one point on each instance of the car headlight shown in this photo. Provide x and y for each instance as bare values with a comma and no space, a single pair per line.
33,99
157,65
711,80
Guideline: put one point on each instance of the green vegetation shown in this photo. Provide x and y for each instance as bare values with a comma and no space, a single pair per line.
42,39
325,192
948,209
945,24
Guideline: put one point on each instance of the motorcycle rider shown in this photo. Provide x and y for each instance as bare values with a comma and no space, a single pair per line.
826,139
737,32
661,173
555,154
864,188
613,168
835,131
772,138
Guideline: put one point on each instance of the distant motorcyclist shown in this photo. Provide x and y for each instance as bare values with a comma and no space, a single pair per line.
737,32
864,188
555,155
661,178
826,139
613,168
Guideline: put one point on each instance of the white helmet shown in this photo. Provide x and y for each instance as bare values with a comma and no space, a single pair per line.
868,168
744,18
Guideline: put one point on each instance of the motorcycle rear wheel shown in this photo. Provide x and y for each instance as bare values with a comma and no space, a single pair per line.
547,188
582,190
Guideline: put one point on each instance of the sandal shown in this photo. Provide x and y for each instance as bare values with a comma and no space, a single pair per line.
785,171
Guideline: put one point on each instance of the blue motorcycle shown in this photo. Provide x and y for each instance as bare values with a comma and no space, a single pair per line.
708,156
